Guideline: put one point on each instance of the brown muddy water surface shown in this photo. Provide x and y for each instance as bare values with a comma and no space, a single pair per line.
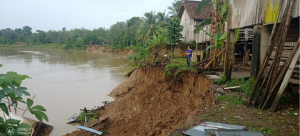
65,81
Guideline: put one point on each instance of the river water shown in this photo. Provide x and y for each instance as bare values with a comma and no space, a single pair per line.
64,81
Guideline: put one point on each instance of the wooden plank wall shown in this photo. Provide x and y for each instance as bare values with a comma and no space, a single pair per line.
257,12
188,28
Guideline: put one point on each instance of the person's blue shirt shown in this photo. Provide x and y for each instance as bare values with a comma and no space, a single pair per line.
189,51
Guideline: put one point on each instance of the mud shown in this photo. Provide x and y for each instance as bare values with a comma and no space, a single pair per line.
147,104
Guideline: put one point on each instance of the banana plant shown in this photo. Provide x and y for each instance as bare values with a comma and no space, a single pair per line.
218,39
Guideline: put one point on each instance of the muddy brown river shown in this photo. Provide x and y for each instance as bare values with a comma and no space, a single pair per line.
64,81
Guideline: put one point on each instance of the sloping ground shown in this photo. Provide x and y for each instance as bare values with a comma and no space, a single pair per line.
147,104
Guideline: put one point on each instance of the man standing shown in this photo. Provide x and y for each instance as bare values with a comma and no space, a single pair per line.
189,55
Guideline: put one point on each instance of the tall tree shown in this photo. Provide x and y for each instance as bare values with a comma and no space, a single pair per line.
149,26
175,7
162,16
174,30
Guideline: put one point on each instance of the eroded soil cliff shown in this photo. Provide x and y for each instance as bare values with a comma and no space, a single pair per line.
147,104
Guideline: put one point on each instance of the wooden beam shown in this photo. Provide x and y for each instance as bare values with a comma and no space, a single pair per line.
285,81
255,62
279,78
229,54
294,81
267,55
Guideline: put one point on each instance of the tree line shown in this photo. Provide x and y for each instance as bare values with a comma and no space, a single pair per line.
153,27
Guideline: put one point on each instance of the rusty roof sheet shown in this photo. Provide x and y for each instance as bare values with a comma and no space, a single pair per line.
190,7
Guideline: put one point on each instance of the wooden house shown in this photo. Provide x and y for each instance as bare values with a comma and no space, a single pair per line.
275,55
190,19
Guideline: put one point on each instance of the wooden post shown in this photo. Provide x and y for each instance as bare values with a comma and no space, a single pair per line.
285,80
229,53
282,73
255,64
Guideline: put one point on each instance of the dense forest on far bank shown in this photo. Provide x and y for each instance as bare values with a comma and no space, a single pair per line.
152,27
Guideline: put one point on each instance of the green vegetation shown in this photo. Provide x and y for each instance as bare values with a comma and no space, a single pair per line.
264,130
231,99
174,30
81,117
178,64
245,85
11,89
139,57
136,31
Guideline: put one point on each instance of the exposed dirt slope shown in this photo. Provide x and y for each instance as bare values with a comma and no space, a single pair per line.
146,104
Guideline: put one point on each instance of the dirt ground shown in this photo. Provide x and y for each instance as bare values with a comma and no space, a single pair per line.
147,104
284,122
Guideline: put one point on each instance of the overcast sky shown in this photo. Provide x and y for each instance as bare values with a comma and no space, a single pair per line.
90,14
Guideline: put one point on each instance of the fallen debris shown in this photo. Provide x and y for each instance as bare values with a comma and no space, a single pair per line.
219,129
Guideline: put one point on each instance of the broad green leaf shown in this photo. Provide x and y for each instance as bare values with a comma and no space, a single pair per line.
24,126
4,108
39,117
1,95
209,47
42,114
6,78
7,90
25,76
29,103
21,88
18,80
236,35
1,120
38,107
1,81
207,33
20,99
223,36
17,93
202,24
1,65
12,121
224,9
25,93
201,5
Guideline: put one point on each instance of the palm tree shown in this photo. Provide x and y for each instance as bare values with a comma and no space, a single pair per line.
175,7
162,16
149,26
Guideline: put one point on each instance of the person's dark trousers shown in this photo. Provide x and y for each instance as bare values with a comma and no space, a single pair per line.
188,61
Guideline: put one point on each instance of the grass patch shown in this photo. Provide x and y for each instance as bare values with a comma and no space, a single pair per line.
204,115
179,64
264,130
246,86
231,99
81,117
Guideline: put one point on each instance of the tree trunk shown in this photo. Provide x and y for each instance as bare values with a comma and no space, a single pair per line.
214,65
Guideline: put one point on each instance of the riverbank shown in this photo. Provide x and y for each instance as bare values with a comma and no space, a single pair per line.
89,48
149,104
